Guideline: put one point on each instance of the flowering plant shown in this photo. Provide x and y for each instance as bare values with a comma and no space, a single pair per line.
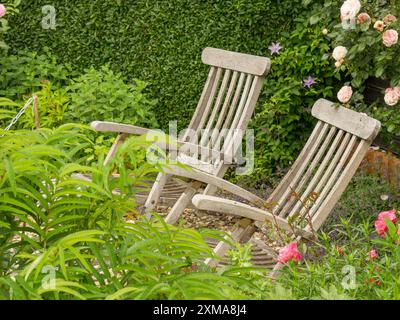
367,46
6,10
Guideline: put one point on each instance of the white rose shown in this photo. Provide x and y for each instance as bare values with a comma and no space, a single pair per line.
391,97
344,95
350,9
339,53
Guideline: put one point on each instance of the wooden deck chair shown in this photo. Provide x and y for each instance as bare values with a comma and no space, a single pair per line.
226,105
322,171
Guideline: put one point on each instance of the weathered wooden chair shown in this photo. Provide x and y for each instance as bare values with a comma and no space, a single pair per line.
309,191
215,132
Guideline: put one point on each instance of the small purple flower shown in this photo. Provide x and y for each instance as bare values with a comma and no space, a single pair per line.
309,82
275,48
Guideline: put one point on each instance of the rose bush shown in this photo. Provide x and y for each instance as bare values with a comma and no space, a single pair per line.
366,55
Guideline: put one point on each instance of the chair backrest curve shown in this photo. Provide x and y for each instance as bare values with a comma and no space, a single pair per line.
228,99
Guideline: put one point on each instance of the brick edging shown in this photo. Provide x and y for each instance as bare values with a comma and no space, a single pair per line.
382,163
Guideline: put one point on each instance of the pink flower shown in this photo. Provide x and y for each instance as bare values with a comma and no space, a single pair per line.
363,17
3,10
349,9
390,37
379,25
391,215
391,96
372,254
288,253
398,231
380,223
389,19
380,227
344,95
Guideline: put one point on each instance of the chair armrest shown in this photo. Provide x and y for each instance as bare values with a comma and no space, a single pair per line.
216,204
105,126
220,183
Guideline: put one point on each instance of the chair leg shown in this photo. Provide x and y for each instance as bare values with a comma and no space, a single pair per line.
182,202
210,190
242,232
155,193
111,153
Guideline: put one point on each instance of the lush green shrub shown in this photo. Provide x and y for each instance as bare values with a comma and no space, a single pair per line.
283,121
103,95
23,74
159,42
95,95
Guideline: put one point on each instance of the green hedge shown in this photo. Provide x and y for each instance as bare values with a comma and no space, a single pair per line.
156,41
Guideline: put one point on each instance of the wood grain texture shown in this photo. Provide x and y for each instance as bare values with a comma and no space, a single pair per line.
241,62
346,119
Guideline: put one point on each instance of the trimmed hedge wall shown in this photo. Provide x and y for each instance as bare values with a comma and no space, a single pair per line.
156,41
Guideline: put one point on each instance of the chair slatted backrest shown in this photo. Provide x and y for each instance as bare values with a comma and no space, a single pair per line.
228,99
326,164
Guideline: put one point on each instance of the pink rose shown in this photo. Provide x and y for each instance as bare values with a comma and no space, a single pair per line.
398,231
390,37
3,10
391,96
372,254
380,223
390,215
389,19
363,17
288,253
344,95
380,227
349,9
379,25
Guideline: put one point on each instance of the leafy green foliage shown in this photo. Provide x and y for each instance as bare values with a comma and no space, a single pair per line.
66,237
23,74
103,95
11,9
283,122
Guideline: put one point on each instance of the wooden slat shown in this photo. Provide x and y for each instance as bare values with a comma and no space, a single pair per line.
321,170
232,109
222,114
334,176
346,119
341,185
283,202
211,203
328,174
216,108
314,164
229,140
204,116
194,123
284,184
241,62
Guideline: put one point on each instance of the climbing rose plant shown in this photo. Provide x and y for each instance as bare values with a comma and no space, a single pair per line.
367,45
